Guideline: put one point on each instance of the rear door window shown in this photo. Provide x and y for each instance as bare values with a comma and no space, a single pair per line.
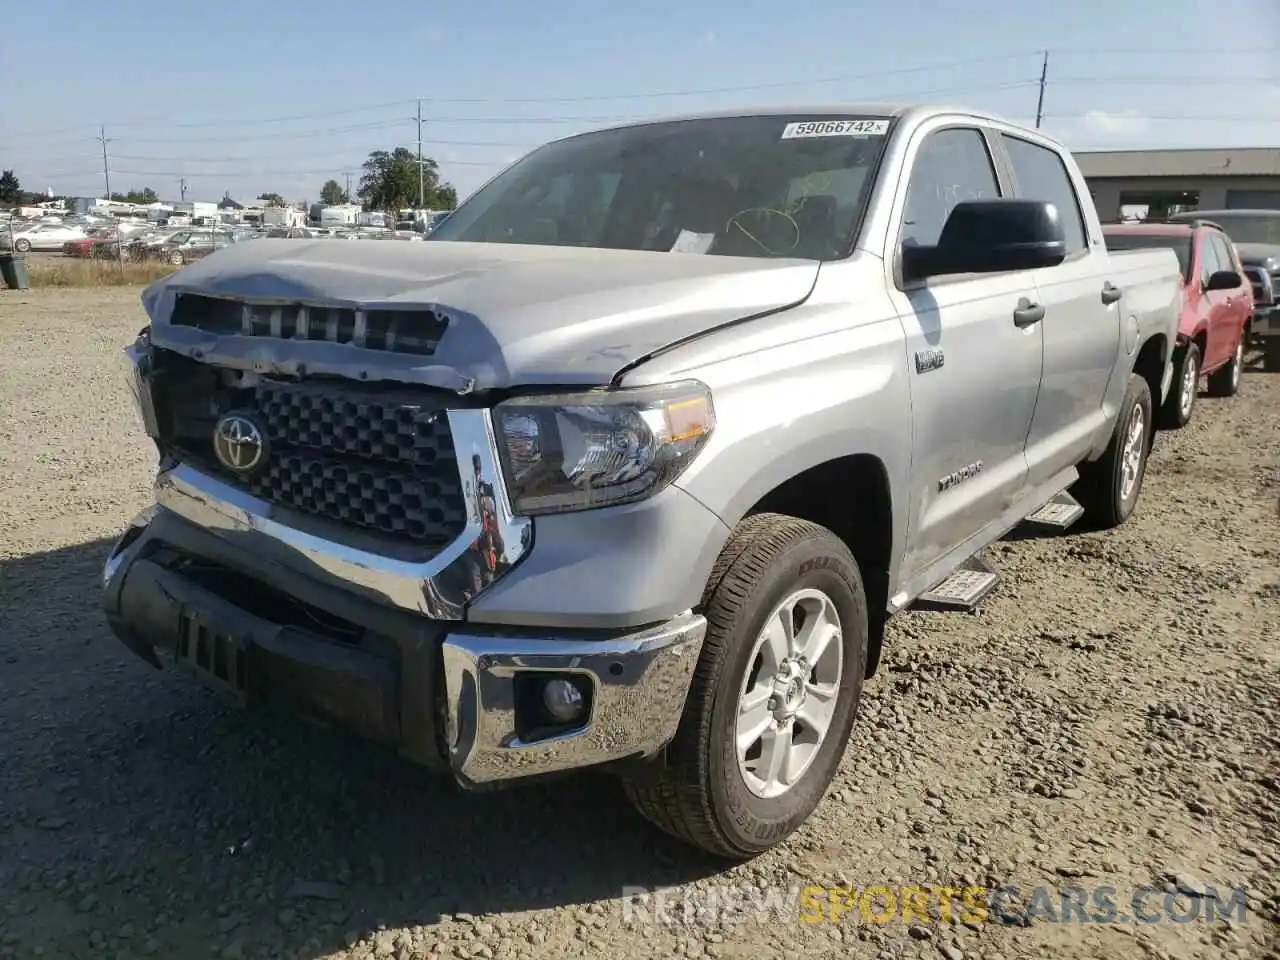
1042,176
1209,264
1226,257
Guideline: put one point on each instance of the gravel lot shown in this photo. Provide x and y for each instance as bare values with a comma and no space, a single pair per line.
1110,718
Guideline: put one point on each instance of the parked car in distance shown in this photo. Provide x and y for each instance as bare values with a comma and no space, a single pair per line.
627,465
1217,304
83,247
190,245
45,236
1256,235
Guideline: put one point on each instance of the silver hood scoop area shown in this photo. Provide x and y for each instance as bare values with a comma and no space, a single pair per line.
502,315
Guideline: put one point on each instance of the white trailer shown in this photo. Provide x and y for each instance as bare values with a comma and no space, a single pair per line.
198,210
338,215
282,216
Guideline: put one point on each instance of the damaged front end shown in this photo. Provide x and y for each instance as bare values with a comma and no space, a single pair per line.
318,540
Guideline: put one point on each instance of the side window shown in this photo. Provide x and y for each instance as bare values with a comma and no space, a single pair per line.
951,166
1209,263
1226,258
1043,176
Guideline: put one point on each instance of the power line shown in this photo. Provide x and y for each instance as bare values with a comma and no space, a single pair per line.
592,98
603,98
542,120
545,120
1165,81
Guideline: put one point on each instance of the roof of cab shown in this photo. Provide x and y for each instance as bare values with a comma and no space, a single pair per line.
1149,229
898,111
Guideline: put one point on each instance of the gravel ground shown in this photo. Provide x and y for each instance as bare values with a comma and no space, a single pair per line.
1111,718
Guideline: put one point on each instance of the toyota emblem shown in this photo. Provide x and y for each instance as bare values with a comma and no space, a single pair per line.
239,443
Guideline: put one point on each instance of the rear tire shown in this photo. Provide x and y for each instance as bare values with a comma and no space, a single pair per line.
711,793
1177,409
22,246
1109,487
1225,381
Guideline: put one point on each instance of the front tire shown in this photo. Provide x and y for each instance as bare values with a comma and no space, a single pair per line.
1225,381
774,695
1108,488
1176,411
22,246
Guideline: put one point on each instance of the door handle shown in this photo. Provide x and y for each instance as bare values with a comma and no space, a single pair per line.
1027,313
1111,293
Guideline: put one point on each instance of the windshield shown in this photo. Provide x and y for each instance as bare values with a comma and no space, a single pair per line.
1138,241
775,186
1250,227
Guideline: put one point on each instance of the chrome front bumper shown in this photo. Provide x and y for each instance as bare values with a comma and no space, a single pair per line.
638,681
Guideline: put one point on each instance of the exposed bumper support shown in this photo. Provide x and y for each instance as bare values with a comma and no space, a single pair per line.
409,671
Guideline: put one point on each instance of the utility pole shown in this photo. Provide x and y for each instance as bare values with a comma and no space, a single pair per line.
421,192
106,171
182,187
347,174
1044,75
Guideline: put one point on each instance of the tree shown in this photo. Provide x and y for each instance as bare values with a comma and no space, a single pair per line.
10,188
272,199
390,182
145,195
332,193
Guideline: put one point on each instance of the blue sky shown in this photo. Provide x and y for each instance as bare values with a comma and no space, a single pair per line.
280,95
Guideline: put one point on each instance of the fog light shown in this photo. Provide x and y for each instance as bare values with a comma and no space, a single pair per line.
563,700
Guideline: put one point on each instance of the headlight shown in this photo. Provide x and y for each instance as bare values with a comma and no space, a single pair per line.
138,367
576,451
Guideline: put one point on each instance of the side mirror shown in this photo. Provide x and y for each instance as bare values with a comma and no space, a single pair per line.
991,236
1223,280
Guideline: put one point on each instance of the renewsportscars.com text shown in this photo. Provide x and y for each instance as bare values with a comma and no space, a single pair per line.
881,904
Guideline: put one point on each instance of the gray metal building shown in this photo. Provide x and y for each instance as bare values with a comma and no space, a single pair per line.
1124,182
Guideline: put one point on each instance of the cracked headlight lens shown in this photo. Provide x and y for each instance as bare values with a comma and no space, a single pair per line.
576,451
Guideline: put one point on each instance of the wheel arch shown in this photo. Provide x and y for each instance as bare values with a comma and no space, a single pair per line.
852,497
1149,363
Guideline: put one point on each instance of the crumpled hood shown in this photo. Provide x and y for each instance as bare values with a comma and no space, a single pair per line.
518,314
1259,254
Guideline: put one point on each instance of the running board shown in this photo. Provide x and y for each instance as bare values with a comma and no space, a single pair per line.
963,590
1060,512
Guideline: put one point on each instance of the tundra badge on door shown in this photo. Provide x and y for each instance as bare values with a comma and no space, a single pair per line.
930,359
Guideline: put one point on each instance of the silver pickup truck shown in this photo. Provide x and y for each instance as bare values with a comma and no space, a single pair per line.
629,464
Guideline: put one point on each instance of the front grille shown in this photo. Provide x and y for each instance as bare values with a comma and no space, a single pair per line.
1254,276
393,329
1264,285
378,461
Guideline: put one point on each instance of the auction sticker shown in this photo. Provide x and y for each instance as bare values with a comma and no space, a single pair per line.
835,128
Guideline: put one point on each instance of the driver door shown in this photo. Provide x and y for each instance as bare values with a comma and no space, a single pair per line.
975,373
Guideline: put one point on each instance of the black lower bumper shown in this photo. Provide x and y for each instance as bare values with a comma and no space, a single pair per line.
259,632
444,695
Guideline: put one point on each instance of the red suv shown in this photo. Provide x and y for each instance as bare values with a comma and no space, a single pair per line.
1217,304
